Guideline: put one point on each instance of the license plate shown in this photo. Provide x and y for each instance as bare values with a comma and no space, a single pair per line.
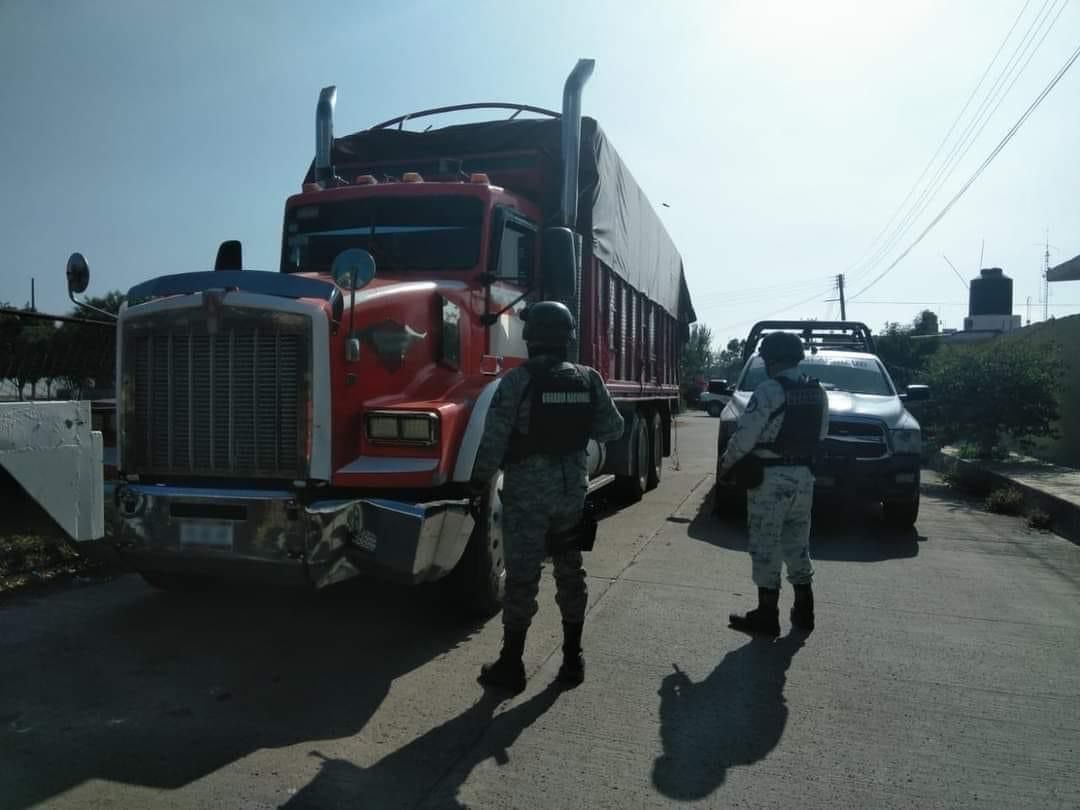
824,481
207,534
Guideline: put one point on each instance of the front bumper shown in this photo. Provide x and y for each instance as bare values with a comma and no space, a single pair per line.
270,536
893,477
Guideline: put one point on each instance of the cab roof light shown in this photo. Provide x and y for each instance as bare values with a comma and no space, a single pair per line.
412,177
366,180
480,177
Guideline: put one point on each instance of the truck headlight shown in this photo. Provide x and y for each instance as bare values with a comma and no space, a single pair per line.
403,427
907,441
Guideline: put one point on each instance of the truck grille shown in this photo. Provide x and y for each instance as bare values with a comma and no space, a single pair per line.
227,403
855,439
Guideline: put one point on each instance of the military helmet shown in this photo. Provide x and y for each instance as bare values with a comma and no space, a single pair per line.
779,347
548,323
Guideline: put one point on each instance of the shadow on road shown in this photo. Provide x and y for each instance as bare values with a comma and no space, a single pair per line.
856,535
154,689
736,716
443,757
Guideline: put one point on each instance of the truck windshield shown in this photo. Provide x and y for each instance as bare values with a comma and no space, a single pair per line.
402,233
856,375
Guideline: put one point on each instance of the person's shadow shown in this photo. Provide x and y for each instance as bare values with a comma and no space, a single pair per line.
433,766
735,716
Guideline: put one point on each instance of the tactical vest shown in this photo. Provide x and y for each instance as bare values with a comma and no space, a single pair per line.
804,406
560,411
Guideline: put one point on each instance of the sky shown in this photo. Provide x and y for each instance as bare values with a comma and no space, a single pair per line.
782,136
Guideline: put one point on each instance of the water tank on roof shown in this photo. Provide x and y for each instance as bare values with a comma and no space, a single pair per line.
991,293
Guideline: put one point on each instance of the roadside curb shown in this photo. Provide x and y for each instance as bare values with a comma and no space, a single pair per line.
1064,513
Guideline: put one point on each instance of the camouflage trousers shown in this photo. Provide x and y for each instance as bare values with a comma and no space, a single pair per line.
779,519
537,498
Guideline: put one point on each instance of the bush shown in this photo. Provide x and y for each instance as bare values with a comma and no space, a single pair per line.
985,393
1038,519
1008,501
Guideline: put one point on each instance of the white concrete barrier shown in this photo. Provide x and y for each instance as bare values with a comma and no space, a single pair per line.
55,455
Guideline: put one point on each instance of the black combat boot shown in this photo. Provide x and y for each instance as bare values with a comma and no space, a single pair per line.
508,671
572,671
764,620
802,612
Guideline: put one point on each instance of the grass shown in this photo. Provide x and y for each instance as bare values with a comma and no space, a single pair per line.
1005,501
33,549
1038,519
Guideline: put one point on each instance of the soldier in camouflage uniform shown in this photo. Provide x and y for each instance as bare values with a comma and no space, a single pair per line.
541,419
787,417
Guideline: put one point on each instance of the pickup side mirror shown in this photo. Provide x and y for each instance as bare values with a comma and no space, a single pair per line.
230,255
559,264
916,393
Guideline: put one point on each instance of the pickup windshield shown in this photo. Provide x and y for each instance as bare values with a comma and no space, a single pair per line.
402,233
856,375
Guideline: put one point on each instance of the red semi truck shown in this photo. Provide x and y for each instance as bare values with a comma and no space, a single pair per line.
322,421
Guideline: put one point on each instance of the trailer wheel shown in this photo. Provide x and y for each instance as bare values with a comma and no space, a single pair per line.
476,585
656,451
634,485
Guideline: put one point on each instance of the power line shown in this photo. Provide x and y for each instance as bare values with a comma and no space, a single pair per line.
996,95
948,135
816,297
990,158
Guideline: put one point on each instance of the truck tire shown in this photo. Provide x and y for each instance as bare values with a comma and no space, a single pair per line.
476,585
656,451
634,485
715,409
901,514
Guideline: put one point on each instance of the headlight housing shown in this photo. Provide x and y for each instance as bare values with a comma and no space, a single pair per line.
907,441
403,427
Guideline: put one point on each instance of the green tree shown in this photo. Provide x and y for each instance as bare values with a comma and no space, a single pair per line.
984,394
696,354
905,358
84,351
926,323
729,361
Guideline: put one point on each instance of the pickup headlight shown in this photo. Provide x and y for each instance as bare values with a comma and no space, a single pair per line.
907,441
389,427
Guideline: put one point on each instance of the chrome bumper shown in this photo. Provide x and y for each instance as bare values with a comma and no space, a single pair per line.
270,535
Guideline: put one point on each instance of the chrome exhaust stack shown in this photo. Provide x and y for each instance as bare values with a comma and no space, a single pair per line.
324,136
571,140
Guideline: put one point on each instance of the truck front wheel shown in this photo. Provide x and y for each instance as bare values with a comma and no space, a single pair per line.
477,583
901,513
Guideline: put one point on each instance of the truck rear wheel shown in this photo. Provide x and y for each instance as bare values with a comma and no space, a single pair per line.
477,583
634,485
656,451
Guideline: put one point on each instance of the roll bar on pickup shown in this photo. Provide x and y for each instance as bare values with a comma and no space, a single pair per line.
845,335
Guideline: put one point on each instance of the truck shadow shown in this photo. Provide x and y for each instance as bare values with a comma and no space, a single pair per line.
434,765
736,716
838,534
159,690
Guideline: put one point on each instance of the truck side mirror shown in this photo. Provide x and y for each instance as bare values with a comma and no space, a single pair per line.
230,255
78,274
559,263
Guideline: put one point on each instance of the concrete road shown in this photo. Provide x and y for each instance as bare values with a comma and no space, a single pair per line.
945,672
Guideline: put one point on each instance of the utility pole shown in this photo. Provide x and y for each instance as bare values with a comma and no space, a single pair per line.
1045,278
840,287
33,301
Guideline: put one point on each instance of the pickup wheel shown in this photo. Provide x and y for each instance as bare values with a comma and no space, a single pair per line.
714,409
656,451
901,514
476,585
634,485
